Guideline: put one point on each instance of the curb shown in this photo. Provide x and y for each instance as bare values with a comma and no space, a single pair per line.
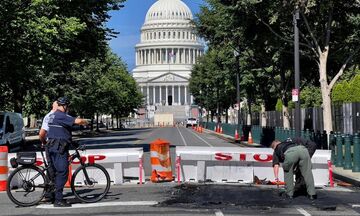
232,139
346,178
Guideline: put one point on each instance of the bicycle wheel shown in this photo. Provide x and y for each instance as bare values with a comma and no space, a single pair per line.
26,185
93,190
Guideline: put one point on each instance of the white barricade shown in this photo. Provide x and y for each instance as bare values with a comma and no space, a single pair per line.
236,164
120,162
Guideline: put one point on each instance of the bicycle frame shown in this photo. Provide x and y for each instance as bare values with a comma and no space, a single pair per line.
72,157
77,155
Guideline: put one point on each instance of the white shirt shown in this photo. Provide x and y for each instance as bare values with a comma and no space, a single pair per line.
45,123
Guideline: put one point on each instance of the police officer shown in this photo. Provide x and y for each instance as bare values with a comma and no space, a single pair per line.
59,140
293,155
49,195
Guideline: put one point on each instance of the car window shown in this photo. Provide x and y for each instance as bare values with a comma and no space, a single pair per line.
1,120
192,119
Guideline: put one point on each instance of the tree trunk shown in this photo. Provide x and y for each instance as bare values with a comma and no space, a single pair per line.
112,121
249,115
325,92
117,121
207,115
92,124
263,116
227,116
97,122
17,97
286,119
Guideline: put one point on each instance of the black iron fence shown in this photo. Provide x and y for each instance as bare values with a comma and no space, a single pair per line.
346,118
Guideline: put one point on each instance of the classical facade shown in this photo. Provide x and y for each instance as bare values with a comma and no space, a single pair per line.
165,55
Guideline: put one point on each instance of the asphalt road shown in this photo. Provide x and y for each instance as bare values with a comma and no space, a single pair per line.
189,199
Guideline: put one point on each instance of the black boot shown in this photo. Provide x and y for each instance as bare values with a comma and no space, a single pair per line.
61,203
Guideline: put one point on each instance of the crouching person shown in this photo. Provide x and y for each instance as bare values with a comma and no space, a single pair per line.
292,155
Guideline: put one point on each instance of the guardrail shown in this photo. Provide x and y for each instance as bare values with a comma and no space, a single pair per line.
236,164
120,163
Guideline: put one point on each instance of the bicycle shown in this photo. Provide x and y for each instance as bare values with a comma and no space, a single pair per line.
28,183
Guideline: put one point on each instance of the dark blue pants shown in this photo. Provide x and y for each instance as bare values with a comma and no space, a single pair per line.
61,165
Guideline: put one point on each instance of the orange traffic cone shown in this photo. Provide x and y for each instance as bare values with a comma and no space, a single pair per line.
250,139
68,182
221,130
236,134
215,129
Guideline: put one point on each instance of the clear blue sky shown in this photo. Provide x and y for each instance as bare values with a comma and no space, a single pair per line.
128,22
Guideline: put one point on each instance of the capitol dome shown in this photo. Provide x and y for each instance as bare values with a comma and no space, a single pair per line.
165,55
168,10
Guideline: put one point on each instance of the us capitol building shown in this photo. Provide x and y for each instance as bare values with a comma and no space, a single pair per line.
167,51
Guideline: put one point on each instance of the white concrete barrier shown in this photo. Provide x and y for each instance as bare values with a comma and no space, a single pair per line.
120,163
236,164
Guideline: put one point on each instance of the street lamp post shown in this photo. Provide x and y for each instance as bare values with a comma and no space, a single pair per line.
296,99
237,57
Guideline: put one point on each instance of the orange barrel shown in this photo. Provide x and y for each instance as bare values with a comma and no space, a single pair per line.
4,170
160,161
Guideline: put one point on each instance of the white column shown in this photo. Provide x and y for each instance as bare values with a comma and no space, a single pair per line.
183,56
193,56
191,99
143,57
166,56
148,95
160,94
173,95
136,57
172,58
188,56
177,56
152,56
185,95
157,56
154,95
166,94
179,95
148,56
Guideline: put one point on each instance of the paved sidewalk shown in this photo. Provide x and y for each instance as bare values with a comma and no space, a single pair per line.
347,176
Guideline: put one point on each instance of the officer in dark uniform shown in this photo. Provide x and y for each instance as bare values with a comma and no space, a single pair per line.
59,140
293,155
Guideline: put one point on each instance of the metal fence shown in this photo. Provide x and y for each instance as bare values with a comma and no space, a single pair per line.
346,118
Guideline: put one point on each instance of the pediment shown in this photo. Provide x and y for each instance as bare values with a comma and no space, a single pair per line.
169,77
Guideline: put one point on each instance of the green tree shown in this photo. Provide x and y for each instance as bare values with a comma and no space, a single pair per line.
329,37
40,39
311,97
211,83
347,91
